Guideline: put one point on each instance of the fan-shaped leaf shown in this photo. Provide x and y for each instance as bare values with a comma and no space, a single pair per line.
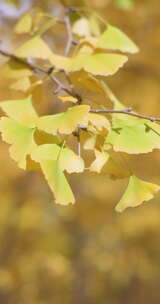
60,62
134,136
15,70
69,161
136,193
98,64
22,84
65,122
34,48
100,122
20,110
23,25
100,160
115,39
82,27
20,137
57,182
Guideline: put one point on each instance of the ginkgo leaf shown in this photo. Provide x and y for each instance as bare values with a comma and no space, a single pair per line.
82,27
20,110
37,20
125,4
85,47
90,143
136,193
114,39
100,160
23,25
134,136
42,138
65,122
94,25
22,84
45,27
20,137
57,182
115,168
15,70
69,161
100,122
83,80
34,48
68,99
60,62
98,64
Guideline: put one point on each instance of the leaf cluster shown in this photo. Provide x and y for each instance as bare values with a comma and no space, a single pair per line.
94,49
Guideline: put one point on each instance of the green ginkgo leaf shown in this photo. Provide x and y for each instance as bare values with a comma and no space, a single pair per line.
69,161
136,193
34,48
65,122
57,182
20,110
20,137
98,64
114,39
134,136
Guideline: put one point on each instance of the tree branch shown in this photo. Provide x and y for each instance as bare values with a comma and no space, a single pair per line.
70,92
127,111
35,68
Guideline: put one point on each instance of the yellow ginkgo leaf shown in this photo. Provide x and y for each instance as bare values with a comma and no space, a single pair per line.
94,25
83,80
90,143
65,122
68,99
136,193
15,70
82,27
20,110
69,161
100,122
22,84
20,137
23,25
34,48
57,182
100,160
60,62
114,39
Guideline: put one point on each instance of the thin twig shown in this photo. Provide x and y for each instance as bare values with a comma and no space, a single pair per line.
35,68
70,37
70,92
127,111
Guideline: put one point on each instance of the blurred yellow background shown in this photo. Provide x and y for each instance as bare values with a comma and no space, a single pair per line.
86,253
